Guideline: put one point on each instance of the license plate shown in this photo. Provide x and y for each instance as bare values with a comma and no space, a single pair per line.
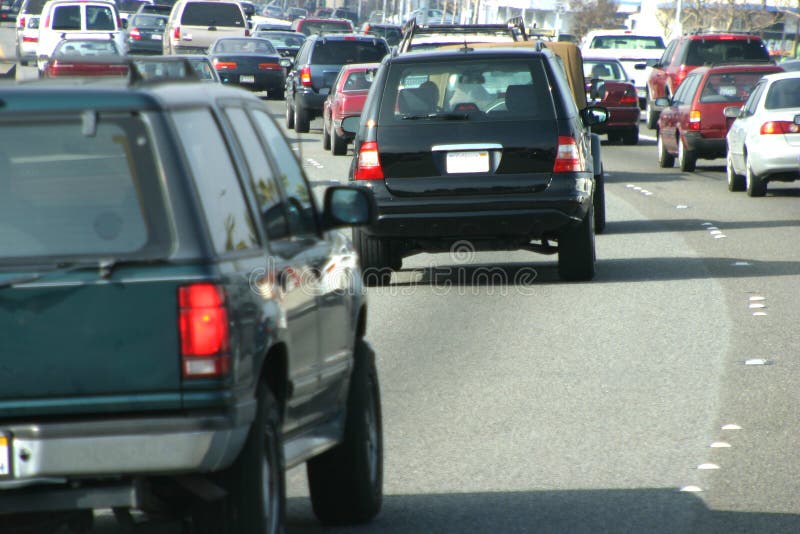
467,162
5,456
728,90
155,37
247,79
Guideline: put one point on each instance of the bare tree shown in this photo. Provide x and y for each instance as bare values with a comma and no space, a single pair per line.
591,14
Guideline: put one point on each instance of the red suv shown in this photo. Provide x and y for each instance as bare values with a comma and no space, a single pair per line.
688,52
692,124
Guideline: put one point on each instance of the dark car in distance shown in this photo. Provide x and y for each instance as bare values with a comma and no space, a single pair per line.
609,86
145,33
249,62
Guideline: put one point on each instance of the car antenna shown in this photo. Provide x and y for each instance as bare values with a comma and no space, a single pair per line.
466,47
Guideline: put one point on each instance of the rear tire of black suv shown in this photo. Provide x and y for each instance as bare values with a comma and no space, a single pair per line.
302,122
599,203
346,482
289,114
687,159
665,159
576,254
378,258
338,144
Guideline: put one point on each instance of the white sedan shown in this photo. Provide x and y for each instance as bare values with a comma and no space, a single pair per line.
764,140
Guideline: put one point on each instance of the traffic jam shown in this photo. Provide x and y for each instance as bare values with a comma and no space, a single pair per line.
290,267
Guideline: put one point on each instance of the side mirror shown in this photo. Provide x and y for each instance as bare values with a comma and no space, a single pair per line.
732,112
663,102
348,206
640,66
350,124
594,115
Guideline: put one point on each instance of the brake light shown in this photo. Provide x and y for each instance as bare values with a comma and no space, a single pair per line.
369,163
305,76
679,76
779,127
224,65
134,34
694,120
27,39
568,156
119,22
269,66
203,325
246,32
351,38
366,28
629,98
47,22
21,23
176,34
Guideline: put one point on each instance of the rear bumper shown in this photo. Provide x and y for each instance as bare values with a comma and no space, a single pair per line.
705,147
310,101
145,47
272,81
619,119
777,161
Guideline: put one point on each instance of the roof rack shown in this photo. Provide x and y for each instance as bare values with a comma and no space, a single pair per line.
514,28
718,32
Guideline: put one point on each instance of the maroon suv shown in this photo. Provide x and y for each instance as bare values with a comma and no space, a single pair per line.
688,52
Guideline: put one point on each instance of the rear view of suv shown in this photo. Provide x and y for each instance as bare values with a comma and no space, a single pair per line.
696,50
194,25
28,30
316,67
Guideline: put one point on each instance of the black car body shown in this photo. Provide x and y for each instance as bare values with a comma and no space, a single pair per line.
145,33
483,145
249,62
317,65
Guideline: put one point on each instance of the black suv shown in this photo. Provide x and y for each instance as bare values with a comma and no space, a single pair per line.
479,144
317,65
180,324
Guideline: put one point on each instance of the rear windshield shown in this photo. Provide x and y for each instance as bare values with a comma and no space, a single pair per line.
392,35
34,7
358,81
244,46
729,87
709,52
212,14
604,70
345,52
81,195
67,18
100,18
784,94
626,42
467,90
311,28
158,9
158,22
88,48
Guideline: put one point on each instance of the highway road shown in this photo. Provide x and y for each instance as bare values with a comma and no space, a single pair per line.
658,398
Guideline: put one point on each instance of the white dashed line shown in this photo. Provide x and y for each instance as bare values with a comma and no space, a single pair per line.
707,467
648,137
731,426
757,298
759,314
756,361
720,445
741,264
314,163
681,206
691,489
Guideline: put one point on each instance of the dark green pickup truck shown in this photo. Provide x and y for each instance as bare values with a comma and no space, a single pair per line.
179,323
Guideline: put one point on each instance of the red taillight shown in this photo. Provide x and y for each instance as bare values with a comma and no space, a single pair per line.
225,65
779,127
269,66
26,39
366,28
21,23
368,165
305,76
176,33
694,120
134,34
119,22
629,98
246,32
679,76
568,156
47,22
203,325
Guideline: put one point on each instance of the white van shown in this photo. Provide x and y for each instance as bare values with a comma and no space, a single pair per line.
63,17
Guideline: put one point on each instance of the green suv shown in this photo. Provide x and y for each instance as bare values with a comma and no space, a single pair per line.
179,323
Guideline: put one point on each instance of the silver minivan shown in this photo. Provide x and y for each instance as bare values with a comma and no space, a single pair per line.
195,24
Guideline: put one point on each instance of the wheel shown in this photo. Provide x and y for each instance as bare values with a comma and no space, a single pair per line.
736,182
599,202
576,254
326,136
338,144
346,482
665,159
302,122
687,160
631,137
277,94
614,137
378,258
289,114
255,483
756,187
651,112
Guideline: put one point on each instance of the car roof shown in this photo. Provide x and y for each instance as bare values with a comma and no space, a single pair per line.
345,37
360,66
782,75
632,33
722,36
601,59
450,53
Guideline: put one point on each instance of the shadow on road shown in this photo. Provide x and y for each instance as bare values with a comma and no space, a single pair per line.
636,511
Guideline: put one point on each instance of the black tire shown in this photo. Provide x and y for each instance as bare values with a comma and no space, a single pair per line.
599,201
302,122
246,508
346,482
576,253
755,185
665,159
736,182
614,137
326,136
687,159
338,144
631,137
289,114
378,258
652,113
277,94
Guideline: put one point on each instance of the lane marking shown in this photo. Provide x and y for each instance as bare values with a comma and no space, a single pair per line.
756,361
707,467
682,206
720,445
731,426
647,137
691,489
757,298
741,263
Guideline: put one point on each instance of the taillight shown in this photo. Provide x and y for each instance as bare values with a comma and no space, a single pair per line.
368,165
26,39
224,65
366,28
568,156
779,127
679,76
47,22
134,34
176,33
629,98
119,22
203,325
21,23
305,76
694,120
269,66
246,32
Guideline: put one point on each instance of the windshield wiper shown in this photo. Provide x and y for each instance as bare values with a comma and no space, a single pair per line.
442,115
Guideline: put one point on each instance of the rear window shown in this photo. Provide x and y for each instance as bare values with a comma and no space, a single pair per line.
604,70
627,42
99,18
212,14
784,94
467,90
729,87
149,21
358,81
84,195
67,18
311,28
74,48
711,51
345,52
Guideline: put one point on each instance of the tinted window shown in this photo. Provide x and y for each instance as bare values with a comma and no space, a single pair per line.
229,222
34,7
708,52
344,52
86,48
625,42
668,53
752,102
310,28
83,195
783,94
149,21
604,70
67,18
299,204
244,46
392,35
212,14
686,90
729,87
283,40
100,18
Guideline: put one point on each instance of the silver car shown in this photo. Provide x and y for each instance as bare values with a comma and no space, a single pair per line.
764,141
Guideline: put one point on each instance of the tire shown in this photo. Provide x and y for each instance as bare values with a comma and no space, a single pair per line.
346,482
687,159
631,137
665,159
755,186
326,136
576,253
652,113
338,144
289,114
246,508
278,94
378,259
302,123
614,137
736,182
599,202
